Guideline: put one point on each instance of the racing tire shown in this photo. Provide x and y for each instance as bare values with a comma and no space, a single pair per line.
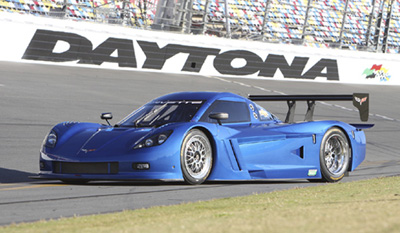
196,157
334,155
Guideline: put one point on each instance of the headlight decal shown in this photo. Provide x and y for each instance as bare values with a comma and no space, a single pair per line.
154,140
51,139
162,138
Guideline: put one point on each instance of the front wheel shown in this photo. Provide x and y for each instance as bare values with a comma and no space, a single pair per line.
334,155
196,157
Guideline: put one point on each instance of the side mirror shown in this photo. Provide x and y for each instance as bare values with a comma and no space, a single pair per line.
106,116
219,116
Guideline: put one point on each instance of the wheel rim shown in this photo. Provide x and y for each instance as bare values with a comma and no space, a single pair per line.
336,154
197,157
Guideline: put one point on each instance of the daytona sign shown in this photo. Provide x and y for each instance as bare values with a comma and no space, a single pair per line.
121,51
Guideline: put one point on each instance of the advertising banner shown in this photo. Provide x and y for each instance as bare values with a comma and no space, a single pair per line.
62,42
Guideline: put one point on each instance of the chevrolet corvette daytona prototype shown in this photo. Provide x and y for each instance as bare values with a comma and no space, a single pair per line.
199,136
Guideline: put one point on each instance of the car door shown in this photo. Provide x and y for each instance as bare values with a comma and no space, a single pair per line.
256,146
247,140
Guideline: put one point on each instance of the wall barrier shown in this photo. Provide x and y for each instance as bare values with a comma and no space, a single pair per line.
35,39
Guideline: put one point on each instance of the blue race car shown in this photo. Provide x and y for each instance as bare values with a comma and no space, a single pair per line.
199,136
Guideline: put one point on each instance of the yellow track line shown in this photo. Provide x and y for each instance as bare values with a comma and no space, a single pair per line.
7,184
32,186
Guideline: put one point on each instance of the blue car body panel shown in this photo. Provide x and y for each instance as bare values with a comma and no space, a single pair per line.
251,150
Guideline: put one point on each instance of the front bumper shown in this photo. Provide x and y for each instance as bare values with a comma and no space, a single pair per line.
140,166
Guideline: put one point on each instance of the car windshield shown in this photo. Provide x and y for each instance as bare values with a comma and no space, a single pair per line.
162,112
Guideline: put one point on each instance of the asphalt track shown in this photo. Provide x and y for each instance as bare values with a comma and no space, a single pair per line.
35,97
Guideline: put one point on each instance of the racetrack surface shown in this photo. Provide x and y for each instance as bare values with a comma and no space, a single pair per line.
35,97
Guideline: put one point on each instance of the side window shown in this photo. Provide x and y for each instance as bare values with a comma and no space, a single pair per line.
264,114
238,111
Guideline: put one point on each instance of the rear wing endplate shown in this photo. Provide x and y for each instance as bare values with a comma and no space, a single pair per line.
360,101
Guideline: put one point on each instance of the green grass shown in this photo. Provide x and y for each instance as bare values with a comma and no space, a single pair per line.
362,206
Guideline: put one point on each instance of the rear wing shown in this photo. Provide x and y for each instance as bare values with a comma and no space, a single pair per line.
360,101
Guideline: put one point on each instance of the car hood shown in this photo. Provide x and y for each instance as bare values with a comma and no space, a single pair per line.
105,137
102,141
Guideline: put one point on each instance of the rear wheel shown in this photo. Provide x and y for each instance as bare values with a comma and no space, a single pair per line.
334,155
196,157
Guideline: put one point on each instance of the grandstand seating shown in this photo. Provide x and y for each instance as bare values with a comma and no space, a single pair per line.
84,9
285,19
44,7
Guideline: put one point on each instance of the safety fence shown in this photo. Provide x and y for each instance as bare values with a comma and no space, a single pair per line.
367,25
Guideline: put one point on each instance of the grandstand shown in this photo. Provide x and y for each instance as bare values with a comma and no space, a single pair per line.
369,25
